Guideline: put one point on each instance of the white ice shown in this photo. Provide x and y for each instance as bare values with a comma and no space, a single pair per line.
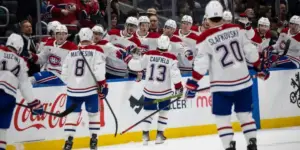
275,139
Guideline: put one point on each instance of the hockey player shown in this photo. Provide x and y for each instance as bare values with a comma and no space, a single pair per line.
263,31
125,40
147,39
227,16
81,87
199,29
13,76
188,37
184,54
161,72
230,81
53,55
51,31
292,58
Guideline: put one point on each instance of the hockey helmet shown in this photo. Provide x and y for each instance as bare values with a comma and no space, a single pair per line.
15,41
187,18
98,29
214,9
163,42
132,20
85,34
52,25
171,23
264,21
144,19
227,15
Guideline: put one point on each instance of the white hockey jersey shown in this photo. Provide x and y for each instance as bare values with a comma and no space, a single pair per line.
179,49
189,40
294,49
116,37
161,72
13,74
54,55
149,41
43,42
223,51
196,30
77,76
257,40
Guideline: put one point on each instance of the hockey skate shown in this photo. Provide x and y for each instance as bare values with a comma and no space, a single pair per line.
160,138
252,145
145,137
232,146
68,143
94,142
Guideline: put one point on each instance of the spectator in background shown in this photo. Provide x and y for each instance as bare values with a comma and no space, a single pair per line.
29,46
88,9
151,11
154,27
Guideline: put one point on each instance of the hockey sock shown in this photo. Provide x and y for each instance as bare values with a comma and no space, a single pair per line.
147,122
3,139
94,123
225,130
248,125
71,124
162,120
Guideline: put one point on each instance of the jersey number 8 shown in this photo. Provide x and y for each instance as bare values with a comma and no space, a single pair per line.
79,70
233,49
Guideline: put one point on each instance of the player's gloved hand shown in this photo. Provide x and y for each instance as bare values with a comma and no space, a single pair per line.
36,107
140,75
191,87
103,91
264,75
244,21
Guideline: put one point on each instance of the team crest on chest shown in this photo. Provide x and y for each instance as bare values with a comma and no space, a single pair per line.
54,60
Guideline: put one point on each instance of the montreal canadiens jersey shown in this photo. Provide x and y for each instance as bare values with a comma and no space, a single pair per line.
161,72
196,30
43,42
13,74
179,49
223,51
257,40
75,72
294,48
149,41
116,37
189,39
53,55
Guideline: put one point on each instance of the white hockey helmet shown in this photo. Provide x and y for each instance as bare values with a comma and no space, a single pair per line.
144,19
295,20
52,25
15,41
214,9
61,28
85,34
264,21
227,15
187,18
98,29
132,20
163,42
171,23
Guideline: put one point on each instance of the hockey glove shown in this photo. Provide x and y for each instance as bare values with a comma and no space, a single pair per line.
191,87
178,89
36,107
264,75
103,91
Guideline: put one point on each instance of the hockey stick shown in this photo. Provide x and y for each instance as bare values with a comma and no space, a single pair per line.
98,89
164,99
129,128
63,114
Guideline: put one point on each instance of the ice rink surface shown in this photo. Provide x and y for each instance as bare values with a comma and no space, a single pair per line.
275,139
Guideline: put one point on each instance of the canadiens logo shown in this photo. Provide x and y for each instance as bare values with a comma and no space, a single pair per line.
282,45
54,60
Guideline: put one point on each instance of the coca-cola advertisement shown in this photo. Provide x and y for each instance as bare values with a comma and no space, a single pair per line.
43,127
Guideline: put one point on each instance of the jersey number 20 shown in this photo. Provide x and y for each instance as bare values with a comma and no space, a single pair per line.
233,49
